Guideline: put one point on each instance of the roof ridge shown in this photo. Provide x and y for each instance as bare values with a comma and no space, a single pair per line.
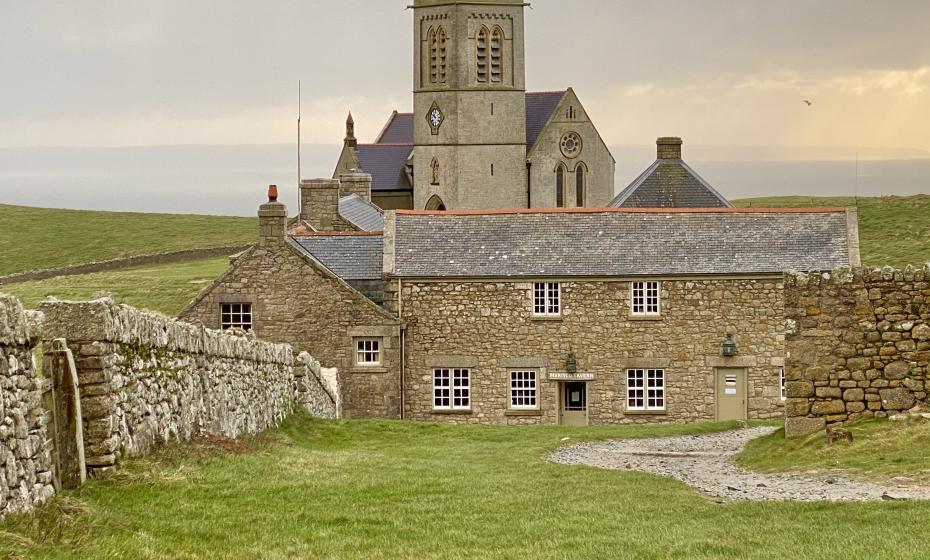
611,210
339,234
395,144
551,92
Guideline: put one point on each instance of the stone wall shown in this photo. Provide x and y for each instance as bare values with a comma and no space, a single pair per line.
489,327
146,379
858,343
25,459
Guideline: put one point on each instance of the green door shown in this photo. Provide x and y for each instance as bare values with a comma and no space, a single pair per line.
731,394
574,409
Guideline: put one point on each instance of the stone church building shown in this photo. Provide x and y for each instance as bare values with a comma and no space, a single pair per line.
476,139
475,265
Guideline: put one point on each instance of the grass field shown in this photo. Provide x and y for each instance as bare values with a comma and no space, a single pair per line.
880,450
893,230
366,489
41,238
166,288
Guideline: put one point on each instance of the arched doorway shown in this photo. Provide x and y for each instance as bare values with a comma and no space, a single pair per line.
435,203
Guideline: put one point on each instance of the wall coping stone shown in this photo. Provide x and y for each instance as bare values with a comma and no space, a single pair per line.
18,326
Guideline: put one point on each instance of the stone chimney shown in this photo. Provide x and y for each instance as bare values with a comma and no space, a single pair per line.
319,203
350,141
356,183
668,147
272,220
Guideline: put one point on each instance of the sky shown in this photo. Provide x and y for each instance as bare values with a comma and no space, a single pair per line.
718,73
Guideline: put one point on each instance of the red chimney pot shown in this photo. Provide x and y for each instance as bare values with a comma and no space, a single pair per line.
272,193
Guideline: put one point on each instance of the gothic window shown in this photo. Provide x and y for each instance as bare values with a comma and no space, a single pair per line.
560,186
580,184
435,204
497,41
434,168
482,55
437,55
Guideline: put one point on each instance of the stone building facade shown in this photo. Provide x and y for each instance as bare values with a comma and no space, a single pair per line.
283,293
859,345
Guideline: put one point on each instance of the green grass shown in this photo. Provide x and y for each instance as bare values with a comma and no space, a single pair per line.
893,230
41,238
880,450
378,489
166,288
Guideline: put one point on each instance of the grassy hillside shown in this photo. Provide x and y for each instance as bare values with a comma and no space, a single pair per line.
365,489
893,230
167,288
40,238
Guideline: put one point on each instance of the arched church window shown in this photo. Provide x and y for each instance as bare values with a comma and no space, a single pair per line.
497,42
560,186
482,54
581,172
434,172
436,204
441,40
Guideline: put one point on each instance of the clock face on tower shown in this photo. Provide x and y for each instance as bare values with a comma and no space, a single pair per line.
435,118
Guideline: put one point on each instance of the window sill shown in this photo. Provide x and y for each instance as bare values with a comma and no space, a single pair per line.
369,369
451,412
545,318
645,412
520,412
644,318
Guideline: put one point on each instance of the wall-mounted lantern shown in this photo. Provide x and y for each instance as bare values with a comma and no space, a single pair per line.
729,346
571,364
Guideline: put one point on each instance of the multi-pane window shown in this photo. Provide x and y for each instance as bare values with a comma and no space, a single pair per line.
523,389
781,384
236,315
451,389
645,298
645,389
546,299
368,351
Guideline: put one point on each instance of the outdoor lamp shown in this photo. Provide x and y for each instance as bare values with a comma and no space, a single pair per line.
729,346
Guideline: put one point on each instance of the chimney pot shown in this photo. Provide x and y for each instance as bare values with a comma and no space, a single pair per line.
668,147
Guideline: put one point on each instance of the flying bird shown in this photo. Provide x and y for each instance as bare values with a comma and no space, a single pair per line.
808,102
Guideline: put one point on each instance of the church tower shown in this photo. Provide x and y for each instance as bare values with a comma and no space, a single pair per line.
469,105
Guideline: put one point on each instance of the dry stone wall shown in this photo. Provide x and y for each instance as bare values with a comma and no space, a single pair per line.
858,344
25,459
146,379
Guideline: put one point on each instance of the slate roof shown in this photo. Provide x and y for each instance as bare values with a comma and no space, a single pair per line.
615,242
386,163
539,107
399,130
350,257
361,213
669,183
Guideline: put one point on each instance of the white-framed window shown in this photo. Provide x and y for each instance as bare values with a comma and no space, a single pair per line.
368,351
523,389
645,389
644,298
547,300
781,384
236,315
451,389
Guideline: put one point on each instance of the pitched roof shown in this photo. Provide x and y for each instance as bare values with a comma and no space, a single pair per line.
669,183
350,257
386,163
618,242
361,213
398,130
539,107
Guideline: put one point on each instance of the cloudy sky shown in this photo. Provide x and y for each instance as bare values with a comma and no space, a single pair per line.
134,72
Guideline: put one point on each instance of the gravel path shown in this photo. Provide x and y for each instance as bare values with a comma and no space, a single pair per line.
704,462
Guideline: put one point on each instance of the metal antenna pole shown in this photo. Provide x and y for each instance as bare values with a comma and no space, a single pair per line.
298,132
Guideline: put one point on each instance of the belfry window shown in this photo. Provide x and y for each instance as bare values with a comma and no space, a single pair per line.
482,55
437,55
497,41
560,186
580,178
